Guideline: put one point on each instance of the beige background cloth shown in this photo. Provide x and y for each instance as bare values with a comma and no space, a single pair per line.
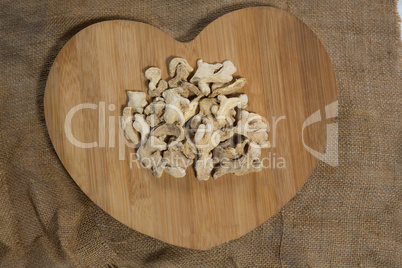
345,216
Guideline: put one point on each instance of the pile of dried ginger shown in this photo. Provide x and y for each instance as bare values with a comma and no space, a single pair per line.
198,120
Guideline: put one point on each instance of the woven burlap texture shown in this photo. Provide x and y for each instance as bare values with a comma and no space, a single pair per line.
344,216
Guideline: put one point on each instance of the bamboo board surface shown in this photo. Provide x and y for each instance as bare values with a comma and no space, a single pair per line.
289,77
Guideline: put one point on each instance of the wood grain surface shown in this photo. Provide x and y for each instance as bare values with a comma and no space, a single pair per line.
289,76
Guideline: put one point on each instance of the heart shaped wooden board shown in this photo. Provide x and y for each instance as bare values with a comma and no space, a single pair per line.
289,77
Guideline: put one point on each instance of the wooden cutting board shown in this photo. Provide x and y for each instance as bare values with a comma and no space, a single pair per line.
289,76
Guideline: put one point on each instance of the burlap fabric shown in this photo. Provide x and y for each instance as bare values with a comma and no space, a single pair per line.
347,216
